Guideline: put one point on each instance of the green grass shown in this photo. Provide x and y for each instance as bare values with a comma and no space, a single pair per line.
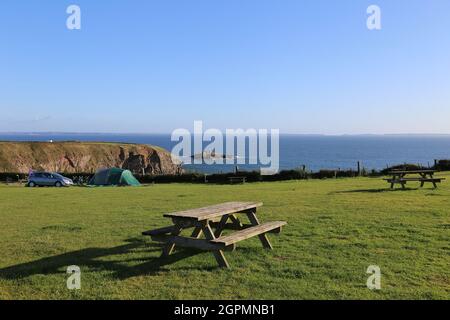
337,228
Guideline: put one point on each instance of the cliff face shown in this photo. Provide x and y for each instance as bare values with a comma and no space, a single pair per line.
86,157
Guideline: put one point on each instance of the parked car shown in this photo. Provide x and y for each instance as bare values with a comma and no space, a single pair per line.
48,179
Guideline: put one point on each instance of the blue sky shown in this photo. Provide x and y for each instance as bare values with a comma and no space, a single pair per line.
154,66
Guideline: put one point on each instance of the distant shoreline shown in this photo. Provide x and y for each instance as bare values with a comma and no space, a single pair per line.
33,133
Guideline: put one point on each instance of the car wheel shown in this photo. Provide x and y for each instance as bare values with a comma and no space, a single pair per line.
31,184
58,184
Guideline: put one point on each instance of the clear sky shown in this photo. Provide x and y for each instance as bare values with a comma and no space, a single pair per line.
154,66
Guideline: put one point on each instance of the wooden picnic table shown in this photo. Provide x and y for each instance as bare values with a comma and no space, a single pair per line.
237,179
211,221
424,175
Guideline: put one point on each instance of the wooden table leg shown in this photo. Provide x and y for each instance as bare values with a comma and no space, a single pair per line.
197,232
423,176
218,254
434,182
221,226
263,237
169,247
394,178
236,221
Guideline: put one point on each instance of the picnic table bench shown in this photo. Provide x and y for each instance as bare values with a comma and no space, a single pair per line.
237,179
212,221
425,175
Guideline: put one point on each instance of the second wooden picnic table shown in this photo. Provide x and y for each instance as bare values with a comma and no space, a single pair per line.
425,175
211,221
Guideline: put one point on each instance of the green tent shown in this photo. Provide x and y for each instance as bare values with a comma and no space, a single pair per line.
113,177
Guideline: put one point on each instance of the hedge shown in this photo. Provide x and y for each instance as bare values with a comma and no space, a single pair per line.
252,176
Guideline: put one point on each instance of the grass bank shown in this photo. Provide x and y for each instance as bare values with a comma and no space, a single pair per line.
337,228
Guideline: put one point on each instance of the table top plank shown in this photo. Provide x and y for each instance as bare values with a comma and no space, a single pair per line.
412,171
214,211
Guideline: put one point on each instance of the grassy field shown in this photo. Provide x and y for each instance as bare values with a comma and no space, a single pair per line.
337,228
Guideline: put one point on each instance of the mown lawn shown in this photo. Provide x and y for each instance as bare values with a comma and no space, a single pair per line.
337,228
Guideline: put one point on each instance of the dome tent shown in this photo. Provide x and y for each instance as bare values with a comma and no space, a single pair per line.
113,177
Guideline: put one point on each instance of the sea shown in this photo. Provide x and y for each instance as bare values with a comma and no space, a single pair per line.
315,152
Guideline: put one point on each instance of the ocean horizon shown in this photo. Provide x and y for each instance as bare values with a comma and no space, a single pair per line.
316,152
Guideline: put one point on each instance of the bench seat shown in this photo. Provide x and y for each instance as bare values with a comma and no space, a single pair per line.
400,180
249,232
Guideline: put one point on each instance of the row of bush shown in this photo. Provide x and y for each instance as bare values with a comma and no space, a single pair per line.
251,176
442,165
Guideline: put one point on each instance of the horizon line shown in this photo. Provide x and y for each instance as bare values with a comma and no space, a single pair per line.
168,133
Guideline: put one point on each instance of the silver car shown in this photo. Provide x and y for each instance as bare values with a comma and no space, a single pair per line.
48,179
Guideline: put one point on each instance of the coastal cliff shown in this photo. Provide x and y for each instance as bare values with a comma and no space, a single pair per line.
85,157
